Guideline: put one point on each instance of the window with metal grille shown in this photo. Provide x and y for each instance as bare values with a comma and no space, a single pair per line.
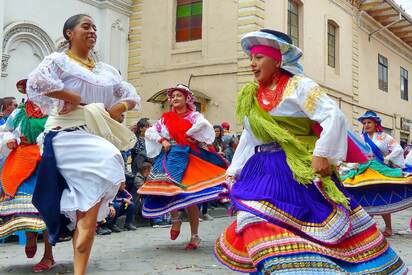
404,84
188,20
383,73
293,21
332,33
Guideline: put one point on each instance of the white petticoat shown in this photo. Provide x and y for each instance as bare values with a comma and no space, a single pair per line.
93,169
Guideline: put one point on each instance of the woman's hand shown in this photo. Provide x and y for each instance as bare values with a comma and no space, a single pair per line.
321,165
112,211
67,108
166,145
116,111
12,144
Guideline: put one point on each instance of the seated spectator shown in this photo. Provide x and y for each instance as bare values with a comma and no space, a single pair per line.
138,180
230,150
123,205
101,228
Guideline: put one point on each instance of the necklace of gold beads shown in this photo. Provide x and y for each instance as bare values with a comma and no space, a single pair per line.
89,64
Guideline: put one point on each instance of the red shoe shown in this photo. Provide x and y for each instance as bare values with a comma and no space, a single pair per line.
194,243
31,250
174,233
41,266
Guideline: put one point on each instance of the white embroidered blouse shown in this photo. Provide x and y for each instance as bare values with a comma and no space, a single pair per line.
389,147
302,98
57,71
201,131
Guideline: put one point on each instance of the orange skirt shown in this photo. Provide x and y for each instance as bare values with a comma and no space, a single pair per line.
199,175
19,166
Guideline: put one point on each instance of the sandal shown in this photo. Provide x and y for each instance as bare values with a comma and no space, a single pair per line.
31,250
41,266
194,242
387,234
174,233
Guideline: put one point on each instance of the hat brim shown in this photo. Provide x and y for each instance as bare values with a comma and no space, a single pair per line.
171,90
289,51
376,119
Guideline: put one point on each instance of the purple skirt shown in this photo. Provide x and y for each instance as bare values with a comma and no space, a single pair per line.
266,188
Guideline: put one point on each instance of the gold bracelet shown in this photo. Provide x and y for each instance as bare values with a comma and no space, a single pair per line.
126,106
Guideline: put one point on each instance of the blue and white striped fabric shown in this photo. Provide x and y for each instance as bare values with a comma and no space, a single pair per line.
290,53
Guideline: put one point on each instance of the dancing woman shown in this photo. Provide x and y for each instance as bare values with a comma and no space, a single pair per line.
379,185
293,215
19,175
184,173
81,167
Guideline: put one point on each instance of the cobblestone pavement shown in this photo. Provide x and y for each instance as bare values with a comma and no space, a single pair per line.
149,251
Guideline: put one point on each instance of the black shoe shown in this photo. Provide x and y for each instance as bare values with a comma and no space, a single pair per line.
103,230
114,228
130,227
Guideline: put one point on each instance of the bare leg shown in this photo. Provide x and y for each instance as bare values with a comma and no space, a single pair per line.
193,213
176,222
48,249
388,225
83,238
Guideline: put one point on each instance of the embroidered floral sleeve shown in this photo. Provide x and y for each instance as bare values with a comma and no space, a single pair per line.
395,151
125,91
201,130
43,80
315,103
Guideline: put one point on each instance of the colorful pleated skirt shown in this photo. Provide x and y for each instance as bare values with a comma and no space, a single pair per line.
180,178
18,213
283,226
380,189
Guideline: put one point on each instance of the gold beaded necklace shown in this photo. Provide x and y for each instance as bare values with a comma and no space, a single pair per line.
89,64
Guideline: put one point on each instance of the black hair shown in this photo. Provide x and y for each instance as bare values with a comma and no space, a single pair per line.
145,166
143,122
71,23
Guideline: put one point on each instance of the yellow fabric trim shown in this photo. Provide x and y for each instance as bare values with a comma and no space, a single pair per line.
311,100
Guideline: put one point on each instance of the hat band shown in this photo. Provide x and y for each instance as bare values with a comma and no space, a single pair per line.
267,51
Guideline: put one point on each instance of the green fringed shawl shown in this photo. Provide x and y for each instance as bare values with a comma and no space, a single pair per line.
298,156
374,165
30,127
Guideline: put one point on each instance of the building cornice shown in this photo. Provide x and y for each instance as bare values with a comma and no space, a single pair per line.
369,24
121,6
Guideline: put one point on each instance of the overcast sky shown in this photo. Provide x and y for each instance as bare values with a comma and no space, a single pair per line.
406,5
